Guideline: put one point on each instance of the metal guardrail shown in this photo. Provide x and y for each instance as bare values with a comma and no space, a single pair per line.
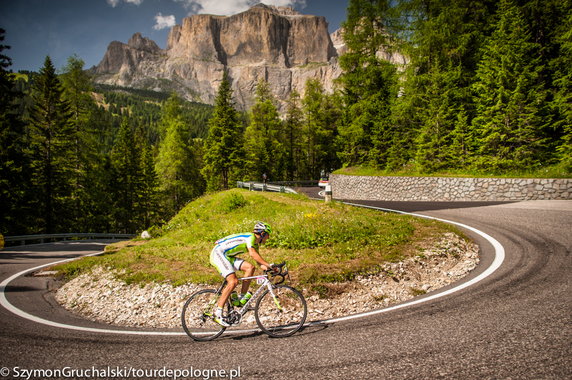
257,186
42,238
311,183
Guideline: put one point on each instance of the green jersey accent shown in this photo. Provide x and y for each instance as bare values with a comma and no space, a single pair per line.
236,244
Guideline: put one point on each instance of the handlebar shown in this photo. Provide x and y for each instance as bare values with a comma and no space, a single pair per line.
282,272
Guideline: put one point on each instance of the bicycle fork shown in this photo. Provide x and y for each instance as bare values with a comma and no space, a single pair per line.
275,298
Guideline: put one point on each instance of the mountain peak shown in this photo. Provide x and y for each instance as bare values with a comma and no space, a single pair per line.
276,44
284,11
137,41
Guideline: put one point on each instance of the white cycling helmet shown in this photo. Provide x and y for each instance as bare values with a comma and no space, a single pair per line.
262,227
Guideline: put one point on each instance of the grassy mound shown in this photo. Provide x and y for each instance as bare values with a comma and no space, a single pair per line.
322,242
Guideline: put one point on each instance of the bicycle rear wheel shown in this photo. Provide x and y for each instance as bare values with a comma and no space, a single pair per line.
197,316
282,315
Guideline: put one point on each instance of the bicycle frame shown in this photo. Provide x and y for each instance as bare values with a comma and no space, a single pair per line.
275,318
264,283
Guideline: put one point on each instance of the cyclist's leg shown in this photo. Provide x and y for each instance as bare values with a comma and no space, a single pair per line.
248,271
226,268
231,282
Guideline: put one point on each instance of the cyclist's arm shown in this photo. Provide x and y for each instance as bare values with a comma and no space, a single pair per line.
256,256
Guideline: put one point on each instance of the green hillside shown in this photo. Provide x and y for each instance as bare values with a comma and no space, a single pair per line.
322,242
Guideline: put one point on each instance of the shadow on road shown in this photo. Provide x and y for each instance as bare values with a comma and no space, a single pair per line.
20,289
423,206
408,206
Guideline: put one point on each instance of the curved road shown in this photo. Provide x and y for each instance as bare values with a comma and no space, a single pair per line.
516,323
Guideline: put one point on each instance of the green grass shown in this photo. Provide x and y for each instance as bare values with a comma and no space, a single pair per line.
323,243
555,171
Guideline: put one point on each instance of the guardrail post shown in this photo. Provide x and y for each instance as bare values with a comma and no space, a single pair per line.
328,193
282,189
250,186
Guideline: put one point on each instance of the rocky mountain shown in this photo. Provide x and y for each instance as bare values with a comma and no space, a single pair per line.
276,44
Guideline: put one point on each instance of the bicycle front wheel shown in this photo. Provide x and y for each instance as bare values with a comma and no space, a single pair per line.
197,316
282,314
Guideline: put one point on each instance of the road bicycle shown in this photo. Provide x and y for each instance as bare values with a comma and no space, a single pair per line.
279,310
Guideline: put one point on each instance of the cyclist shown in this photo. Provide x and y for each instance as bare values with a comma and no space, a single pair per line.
223,258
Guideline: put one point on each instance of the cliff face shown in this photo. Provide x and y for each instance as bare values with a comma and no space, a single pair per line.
272,43
124,58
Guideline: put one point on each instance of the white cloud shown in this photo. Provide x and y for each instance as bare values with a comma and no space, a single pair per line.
114,3
162,22
230,7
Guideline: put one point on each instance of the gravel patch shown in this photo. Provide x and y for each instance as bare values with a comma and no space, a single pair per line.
100,296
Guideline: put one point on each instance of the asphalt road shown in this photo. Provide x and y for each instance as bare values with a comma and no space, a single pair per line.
515,324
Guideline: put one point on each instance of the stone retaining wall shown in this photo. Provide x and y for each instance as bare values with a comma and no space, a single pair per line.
448,189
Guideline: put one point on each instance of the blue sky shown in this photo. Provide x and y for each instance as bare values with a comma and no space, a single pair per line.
62,28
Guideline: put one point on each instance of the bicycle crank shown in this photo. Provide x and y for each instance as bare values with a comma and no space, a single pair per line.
234,317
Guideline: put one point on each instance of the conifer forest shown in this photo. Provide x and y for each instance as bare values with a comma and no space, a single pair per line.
486,89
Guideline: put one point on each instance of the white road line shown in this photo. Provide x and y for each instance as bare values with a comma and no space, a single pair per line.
4,302
497,262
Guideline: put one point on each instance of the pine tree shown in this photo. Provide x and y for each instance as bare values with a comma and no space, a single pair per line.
318,131
442,41
462,144
293,136
13,161
224,145
172,111
439,119
77,87
510,97
148,199
563,99
177,164
263,138
445,33
368,84
126,167
51,145
404,130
